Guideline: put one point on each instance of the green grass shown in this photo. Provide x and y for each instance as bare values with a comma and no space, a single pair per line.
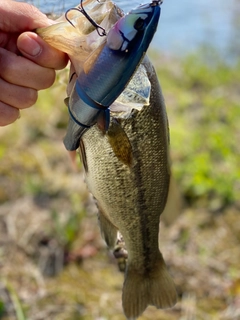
203,102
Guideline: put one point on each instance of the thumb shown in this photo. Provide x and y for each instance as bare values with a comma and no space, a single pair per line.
36,49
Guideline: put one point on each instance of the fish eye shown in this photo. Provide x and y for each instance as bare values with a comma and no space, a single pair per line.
139,24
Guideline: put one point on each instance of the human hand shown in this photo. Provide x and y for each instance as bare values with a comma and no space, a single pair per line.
27,63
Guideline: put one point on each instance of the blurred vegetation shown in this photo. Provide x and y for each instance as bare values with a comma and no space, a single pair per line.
53,262
203,102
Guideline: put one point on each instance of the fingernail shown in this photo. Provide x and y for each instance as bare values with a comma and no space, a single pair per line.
29,46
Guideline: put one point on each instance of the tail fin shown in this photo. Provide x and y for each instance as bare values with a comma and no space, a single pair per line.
156,288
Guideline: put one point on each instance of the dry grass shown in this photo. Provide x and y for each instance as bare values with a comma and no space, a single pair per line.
53,262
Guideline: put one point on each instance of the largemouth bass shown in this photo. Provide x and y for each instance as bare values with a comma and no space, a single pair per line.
132,194
127,169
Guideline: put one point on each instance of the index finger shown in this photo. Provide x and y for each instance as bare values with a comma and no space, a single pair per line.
19,17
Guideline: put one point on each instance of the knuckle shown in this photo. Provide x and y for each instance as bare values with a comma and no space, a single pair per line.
6,64
31,98
62,60
32,11
48,79
8,114
27,98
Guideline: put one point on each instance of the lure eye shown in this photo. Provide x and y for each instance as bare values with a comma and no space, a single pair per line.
139,24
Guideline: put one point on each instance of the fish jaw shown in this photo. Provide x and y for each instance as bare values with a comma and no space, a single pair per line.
91,113
132,197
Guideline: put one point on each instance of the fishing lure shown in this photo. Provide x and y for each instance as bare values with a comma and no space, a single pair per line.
108,70
101,31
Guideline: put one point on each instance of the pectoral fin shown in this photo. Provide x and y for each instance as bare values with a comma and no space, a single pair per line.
119,142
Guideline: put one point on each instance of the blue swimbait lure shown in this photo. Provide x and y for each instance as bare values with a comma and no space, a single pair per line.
98,87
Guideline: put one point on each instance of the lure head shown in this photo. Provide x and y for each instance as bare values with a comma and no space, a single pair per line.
141,21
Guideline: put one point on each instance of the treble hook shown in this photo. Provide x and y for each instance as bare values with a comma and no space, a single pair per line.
100,30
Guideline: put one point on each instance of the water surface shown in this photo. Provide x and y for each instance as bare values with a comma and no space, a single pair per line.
184,25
